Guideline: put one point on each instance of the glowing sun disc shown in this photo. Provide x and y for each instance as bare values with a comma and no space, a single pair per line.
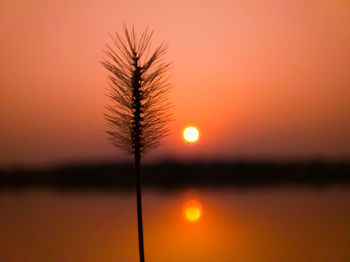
190,134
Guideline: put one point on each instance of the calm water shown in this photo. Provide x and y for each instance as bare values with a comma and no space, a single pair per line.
262,225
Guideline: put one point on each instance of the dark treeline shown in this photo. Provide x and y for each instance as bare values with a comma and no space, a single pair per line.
171,175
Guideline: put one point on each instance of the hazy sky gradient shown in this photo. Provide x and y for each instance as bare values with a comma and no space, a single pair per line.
260,78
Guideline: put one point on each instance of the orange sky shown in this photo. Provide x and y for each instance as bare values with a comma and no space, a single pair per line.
260,78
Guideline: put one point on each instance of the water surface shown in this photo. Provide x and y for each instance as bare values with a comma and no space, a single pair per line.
285,224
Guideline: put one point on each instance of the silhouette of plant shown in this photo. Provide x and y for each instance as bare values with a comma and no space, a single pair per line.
138,89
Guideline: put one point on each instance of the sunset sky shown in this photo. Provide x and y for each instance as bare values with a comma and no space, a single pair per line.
261,79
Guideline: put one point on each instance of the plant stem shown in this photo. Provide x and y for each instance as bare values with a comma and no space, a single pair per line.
139,206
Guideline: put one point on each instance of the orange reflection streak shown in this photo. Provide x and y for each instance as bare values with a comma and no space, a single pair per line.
192,210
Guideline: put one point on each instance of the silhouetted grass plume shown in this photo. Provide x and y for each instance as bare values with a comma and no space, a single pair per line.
138,115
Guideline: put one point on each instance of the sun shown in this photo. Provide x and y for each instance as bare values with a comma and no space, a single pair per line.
192,210
190,134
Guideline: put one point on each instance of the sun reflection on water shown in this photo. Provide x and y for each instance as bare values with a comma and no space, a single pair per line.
192,210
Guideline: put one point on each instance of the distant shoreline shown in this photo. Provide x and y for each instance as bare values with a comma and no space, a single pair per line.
171,175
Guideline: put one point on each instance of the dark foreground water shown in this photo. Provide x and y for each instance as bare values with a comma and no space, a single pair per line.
281,224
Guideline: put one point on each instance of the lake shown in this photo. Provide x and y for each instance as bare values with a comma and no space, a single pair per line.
275,224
